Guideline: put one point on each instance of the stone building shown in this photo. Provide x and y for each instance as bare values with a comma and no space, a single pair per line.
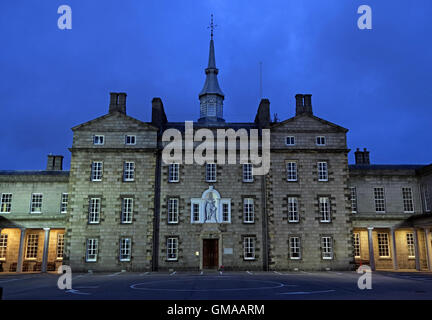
123,207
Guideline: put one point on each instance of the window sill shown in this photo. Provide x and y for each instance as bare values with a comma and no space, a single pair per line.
171,260
249,259
248,181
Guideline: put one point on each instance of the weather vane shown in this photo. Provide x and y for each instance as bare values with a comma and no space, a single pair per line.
212,26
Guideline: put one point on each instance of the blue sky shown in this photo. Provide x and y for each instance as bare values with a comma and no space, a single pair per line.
374,82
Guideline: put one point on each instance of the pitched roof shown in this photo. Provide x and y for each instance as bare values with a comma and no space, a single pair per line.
331,124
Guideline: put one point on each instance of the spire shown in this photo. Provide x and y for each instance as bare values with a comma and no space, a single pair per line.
211,96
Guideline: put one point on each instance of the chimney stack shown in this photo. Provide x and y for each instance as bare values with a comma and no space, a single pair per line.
362,157
303,104
55,163
262,117
117,102
158,113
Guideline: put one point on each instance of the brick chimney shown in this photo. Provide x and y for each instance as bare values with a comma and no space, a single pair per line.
303,104
159,117
362,157
262,117
55,163
117,102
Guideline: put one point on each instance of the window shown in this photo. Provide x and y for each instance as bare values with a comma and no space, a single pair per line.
248,210
173,210
379,199
3,246
320,141
410,245
322,171
408,200
356,244
32,246
60,245
225,212
36,203
249,248
172,249
290,141
96,171
247,172
291,168
94,210
98,140
195,212
130,140
383,245
324,208
426,198
64,203
5,202
293,214
327,248
92,250
294,247
127,209
129,171
353,198
211,172
173,172
125,249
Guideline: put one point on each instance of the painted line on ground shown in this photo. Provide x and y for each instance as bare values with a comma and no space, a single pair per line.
277,272
202,272
248,272
171,274
74,291
114,274
308,292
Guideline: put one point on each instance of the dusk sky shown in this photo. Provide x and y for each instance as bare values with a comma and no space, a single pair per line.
376,83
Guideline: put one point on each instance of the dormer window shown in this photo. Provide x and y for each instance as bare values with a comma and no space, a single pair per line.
98,139
290,141
130,140
321,141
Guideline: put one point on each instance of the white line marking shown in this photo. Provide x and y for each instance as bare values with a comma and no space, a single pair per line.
144,274
305,272
202,272
220,272
277,272
308,292
77,292
114,274
249,272
9,280
335,272
171,274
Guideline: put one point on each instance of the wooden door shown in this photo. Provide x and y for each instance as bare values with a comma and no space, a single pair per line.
210,253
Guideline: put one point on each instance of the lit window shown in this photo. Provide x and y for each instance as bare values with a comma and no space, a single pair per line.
356,244
327,248
322,171
353,198
96,171
320,141
173,172
172,249
129,171
211,172
383,245
324,208
290,141
247,172
32,246
3,246
98,140
293,213
92,250
173,210
5,202
410,245
127,209
64,203
94,210
248,210
36,203
294,247
408,200
249,248
379,200
130,140
125,249
291,168
60,245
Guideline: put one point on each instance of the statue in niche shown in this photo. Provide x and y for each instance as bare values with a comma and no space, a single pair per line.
210,209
